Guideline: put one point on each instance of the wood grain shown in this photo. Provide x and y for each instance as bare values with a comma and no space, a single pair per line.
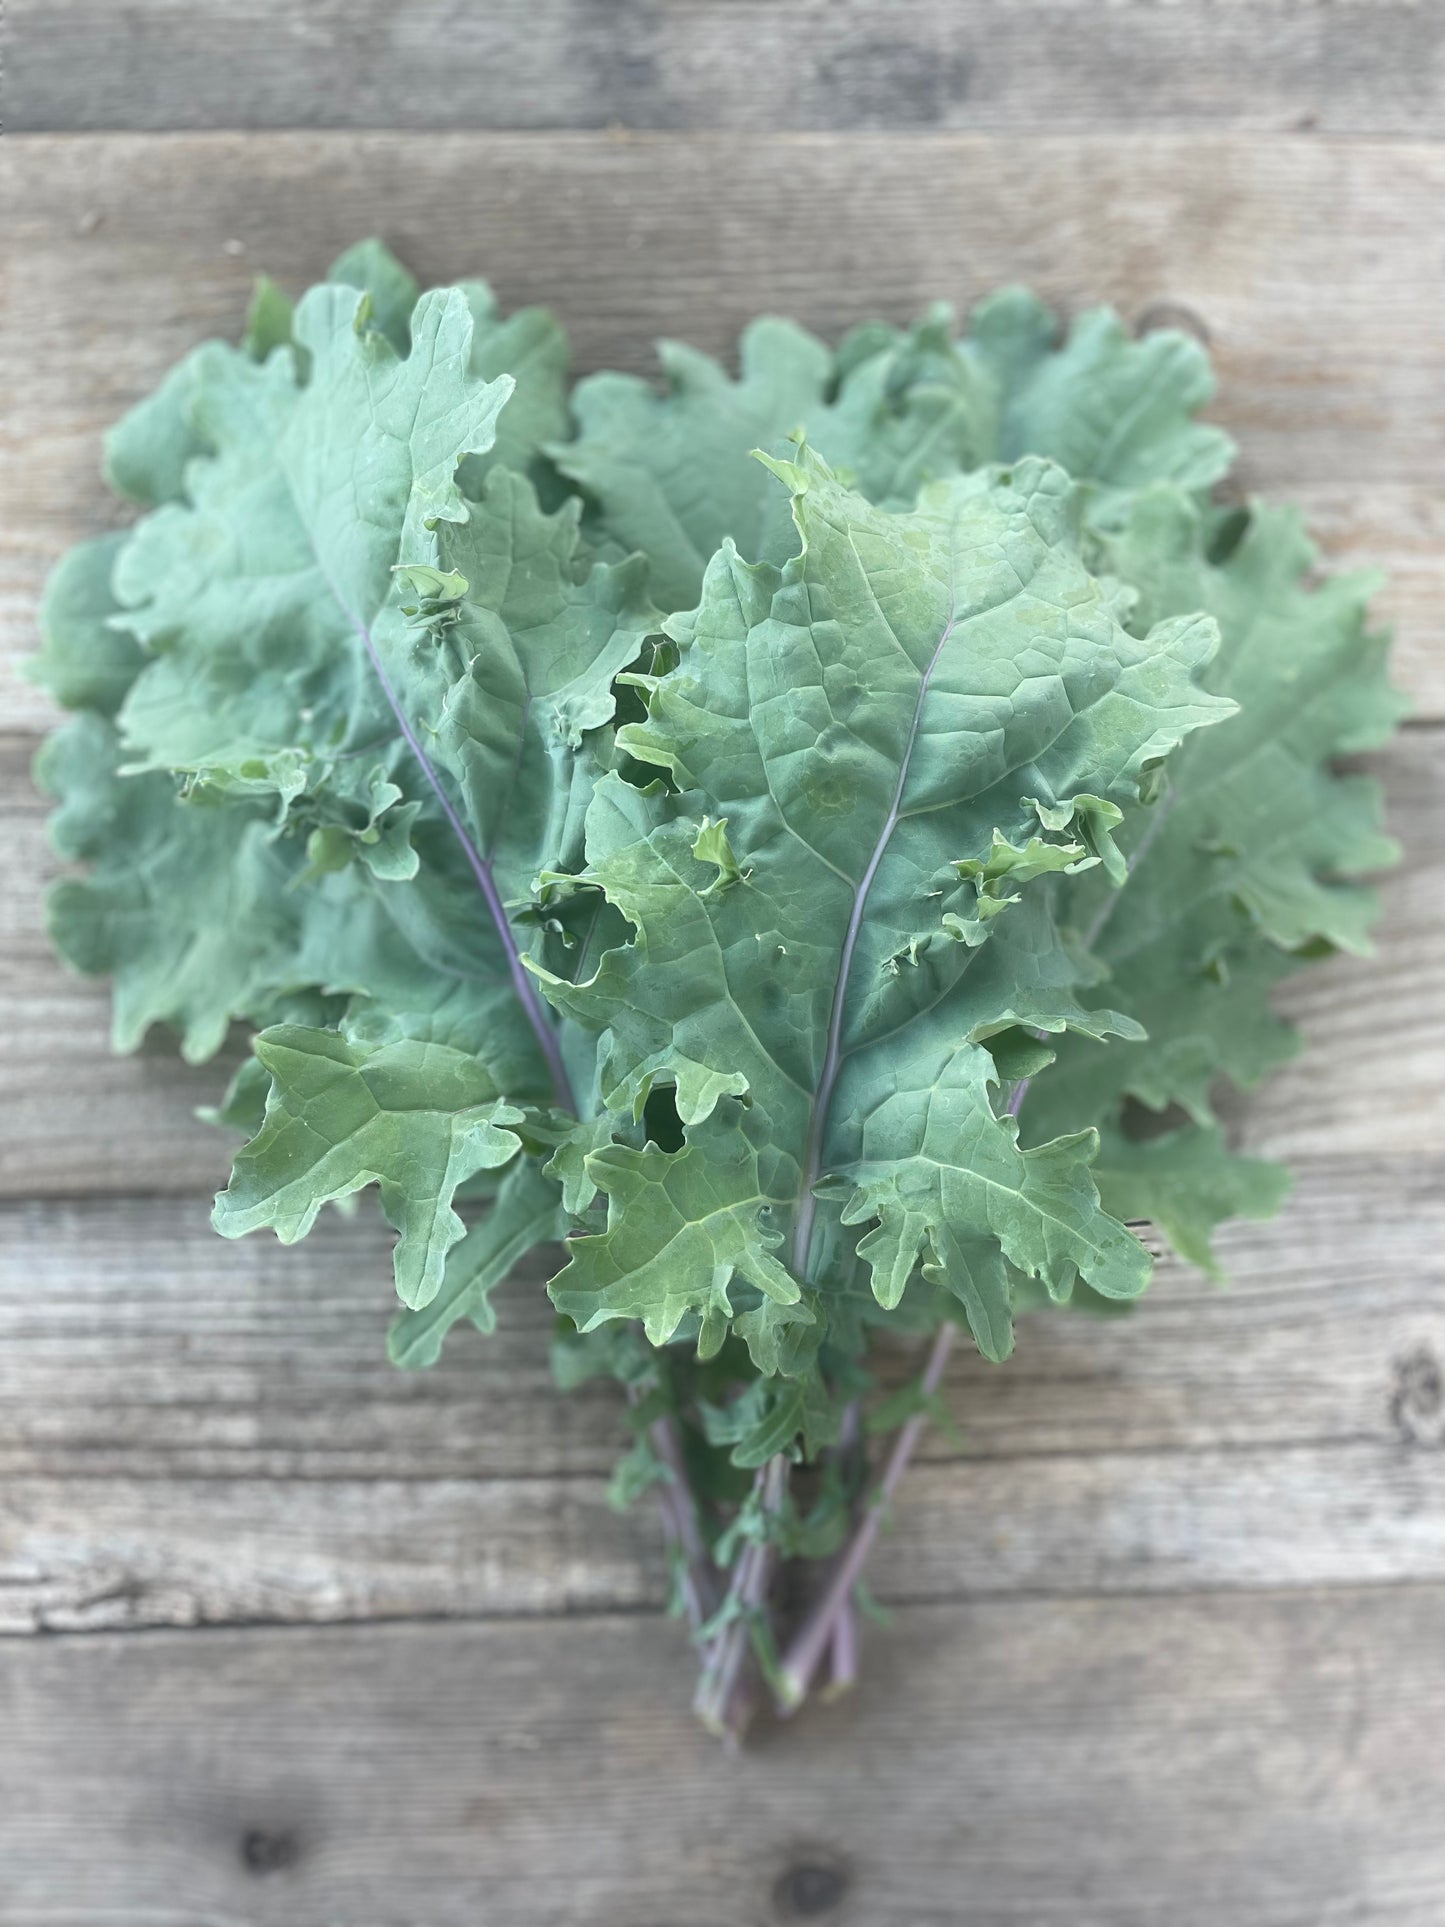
136,1344
1167,1641
1266,1761
75,1119
910,64
200,1433
82,1555
1315,267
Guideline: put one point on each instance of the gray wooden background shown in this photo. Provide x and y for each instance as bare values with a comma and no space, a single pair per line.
291,1638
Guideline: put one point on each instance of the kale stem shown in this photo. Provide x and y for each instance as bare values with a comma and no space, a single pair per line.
817,1635
831,1626
843,1652
543,1028
724,1700
680,1522
833,1053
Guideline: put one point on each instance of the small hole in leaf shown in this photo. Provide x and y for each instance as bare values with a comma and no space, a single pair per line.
660,1118
1139,1124
1228,532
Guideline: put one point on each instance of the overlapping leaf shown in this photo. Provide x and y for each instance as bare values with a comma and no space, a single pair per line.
1186,1182
531,641
867,719
264,593
346,769
416,1119
670,474
259,612
1111,410
681,1226
1246,866
525,1213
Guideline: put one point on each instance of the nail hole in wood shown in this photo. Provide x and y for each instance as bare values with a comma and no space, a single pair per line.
1418,1402
264,1851
809,1890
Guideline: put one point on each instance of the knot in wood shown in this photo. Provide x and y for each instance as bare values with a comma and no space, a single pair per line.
809,1890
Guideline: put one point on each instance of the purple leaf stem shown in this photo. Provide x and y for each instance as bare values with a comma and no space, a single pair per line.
481,868
700,1584
843,1652
815,1637
833,1054
724,1699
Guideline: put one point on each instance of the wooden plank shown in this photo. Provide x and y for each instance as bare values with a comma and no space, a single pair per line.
1271,1761
86,1554
73,1118
136,1344
1316,268
200,1433
910,64
78,1554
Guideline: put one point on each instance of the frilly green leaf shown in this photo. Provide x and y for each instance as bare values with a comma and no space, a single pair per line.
682,1226
415,1119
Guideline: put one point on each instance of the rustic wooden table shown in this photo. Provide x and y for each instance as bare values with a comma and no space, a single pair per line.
297,1639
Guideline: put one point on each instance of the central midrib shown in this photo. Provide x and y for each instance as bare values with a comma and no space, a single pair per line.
480,866
833,1053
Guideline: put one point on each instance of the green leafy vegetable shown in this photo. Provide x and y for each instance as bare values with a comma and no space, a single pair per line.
781,836
417,1119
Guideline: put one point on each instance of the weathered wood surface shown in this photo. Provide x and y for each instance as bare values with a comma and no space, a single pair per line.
89,1554
1373,66
1314,266
136,1344
1269,1760
75,1119
1168,1641
192,1432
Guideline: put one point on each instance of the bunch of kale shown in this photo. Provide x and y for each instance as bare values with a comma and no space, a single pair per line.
698,855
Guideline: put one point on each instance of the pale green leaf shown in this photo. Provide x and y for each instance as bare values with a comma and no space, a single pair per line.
671,473
882,709
526,1213
1187,1182
1246,865
391,292
682,1227
269,319
946,1181
415,1119
84,660
1104,406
